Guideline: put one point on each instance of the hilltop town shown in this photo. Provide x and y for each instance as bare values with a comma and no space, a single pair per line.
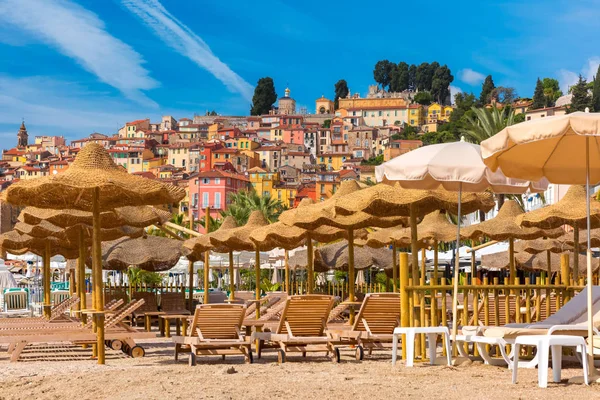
285,154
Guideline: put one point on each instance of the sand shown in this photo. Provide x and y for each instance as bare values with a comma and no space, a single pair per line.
70,374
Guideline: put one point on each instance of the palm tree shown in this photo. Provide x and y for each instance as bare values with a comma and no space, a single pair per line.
213,223
244,202
484,124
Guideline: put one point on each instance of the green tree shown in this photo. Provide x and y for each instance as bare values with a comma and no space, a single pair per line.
412,77
421,77
486,90
399,81
581,97
326,123
596,92
539,100
505,95
551,91
244,202
519,118
264,97
383,72
378,160
440,84
341,92
423,98
485,123
213,223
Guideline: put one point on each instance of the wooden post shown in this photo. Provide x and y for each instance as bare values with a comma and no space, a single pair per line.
564,268
310,270
435,261
351,273
46,283
473,268
81,290
395,268
548,266
231,280
288,289
191,286
257,271
414,242
511,260
206,256
404,306
97,272
422,301
576,253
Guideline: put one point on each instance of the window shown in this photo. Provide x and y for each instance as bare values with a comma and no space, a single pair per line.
412,121
183,163
217,200
205,181
217,181
204,199
395,113
322,189
173,162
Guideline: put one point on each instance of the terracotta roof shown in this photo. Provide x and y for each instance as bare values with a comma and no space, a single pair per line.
215,173
226,150
146,174
138,121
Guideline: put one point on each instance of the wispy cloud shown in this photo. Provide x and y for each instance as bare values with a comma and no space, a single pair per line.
79,34
453,91
471,77
184,41
568,78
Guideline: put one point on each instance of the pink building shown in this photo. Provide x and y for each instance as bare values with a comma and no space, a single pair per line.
293,134
212,189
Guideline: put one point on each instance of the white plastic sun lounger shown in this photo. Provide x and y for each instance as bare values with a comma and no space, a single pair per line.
571,319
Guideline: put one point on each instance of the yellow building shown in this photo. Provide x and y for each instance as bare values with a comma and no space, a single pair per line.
262,181
276,133
244,143
438,113
333,161
285,194
324,106
213,132
372,103
152,163
416,115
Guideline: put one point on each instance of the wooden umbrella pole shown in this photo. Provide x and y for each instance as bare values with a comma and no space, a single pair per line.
311,265
435,262
576,251
287,272
257,271
81,276
511,260
46,276
456,271
548,267
191,286
231,280
413,243
351,288
206,255
97,271
395,268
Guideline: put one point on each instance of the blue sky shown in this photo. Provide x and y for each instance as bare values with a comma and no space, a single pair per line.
72,67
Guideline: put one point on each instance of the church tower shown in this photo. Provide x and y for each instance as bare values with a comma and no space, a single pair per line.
22,136
287,105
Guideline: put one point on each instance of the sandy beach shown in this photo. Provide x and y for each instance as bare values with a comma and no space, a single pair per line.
69,374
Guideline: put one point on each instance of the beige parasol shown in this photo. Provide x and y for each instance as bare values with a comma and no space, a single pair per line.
93,183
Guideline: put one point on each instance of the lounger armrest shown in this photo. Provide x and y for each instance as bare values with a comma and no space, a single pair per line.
576,328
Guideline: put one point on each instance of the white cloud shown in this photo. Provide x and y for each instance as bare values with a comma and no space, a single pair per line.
591,68
471,77
79,34
184,41
453,91
567,78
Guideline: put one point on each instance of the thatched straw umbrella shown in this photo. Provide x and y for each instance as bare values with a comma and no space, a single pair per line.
570,210
504,227
289,237
194,249
547,246
385,237
324,214
501,260
150,253
93,183
239,239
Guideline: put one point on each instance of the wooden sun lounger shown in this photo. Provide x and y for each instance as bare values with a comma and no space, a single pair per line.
374,325
336,313
215,330
116,333
57,312
301,328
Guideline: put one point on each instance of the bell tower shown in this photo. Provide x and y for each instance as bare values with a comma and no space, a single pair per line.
22,136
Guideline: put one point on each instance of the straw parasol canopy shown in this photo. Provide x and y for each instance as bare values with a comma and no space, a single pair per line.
194,248
92,169
542,245
383,237
336,256
151,253
570,210
136,216
434,227
499,261
45,229
239,238
17,243
504,226
569,238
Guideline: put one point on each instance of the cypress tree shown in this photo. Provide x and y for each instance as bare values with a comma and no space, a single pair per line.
596,92
539,100
486,90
